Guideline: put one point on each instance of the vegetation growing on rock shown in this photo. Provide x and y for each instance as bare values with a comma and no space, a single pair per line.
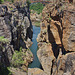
37,7
21,58
18,59
36,16
2,1
2,39
28,2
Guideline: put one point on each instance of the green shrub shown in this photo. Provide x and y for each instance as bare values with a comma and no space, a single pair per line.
17,59
2,1
28,2
37,7
11,9
2,39
20,48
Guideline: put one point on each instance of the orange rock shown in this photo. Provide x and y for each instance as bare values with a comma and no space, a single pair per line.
58,25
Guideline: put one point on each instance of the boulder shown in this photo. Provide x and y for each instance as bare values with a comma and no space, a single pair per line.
65,65
36,71
46,57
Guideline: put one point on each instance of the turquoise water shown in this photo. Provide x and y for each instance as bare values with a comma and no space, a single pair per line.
34,47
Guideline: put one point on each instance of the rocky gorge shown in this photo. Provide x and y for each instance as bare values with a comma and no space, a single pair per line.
56,40
15,36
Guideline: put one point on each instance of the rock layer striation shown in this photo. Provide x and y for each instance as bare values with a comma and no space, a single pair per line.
56,40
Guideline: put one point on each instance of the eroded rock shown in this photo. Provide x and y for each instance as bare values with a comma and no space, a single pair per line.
57,33
46,57
65,65
36,71
58,26
16,27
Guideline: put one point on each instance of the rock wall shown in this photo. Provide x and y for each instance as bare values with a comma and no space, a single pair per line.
16,27
35,17
56,40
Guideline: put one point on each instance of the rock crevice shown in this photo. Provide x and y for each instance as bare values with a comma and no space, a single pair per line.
15,31
56,40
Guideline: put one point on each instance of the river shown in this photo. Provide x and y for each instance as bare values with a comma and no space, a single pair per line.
34,48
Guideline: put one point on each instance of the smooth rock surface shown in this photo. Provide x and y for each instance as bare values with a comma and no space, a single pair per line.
36,71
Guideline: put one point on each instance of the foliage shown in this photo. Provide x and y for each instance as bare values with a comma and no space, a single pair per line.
37,7
17,59
28,2
2,1
2,39
11,8
20,48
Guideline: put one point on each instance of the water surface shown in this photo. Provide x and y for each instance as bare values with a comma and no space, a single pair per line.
34,47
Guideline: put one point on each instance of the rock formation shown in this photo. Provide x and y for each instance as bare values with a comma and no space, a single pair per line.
36,71
56,40
16,30
35,18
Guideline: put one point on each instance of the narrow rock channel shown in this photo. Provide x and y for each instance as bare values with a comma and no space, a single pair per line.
34,48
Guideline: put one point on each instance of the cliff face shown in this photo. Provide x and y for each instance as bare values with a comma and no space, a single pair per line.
16,28
56,40
58,26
